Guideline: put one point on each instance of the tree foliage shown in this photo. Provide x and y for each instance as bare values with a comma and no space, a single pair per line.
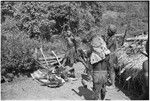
44,19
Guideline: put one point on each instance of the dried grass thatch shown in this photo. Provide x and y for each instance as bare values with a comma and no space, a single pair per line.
132,65
130,74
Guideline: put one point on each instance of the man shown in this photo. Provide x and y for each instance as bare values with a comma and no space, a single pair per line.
84,57
71,45
100,79
145,69
100,66
112,46
70,55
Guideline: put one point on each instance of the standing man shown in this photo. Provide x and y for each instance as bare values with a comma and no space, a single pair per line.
70,56
111,43
100,66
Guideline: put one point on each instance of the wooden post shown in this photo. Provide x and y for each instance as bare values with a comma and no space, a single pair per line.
36,53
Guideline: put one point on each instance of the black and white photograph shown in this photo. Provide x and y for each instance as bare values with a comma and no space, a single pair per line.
75,50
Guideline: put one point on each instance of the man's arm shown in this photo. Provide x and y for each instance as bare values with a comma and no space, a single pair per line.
116,42
145,67
111,42
145,71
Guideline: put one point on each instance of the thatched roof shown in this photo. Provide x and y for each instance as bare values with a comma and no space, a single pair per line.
131,64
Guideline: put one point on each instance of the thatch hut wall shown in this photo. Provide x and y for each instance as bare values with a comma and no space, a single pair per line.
130,67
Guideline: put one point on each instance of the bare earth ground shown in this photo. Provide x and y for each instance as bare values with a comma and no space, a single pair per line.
29,89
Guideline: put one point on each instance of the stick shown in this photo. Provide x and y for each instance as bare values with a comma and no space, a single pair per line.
143,53
42,65
44,57
124,36
127,79
57,58
52,58
122,70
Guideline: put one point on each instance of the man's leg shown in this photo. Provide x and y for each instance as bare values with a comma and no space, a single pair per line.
97,87
111,65
98,81
112,78
103,91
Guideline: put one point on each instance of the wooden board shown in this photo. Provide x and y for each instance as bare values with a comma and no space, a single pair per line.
52,58
51,62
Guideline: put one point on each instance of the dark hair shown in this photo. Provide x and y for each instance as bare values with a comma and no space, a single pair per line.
111,30
110,33
84,40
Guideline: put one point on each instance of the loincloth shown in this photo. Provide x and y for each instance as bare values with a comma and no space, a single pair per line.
71,56
100,77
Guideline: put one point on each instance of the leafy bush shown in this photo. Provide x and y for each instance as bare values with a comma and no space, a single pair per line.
17,55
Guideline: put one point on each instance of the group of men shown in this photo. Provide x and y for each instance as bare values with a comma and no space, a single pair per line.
101,57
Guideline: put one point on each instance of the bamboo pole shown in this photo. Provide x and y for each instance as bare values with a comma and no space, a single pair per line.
57,59
44,67
44,57
52,58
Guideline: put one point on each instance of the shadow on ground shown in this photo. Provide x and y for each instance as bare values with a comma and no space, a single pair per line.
85,92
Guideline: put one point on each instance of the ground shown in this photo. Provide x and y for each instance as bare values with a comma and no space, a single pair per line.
29,89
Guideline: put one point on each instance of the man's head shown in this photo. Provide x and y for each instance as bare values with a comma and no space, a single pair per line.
111,30
85,40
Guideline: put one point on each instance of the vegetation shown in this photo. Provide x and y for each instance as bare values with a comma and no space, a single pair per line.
26,25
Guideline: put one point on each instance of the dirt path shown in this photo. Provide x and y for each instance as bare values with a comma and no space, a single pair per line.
28,89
